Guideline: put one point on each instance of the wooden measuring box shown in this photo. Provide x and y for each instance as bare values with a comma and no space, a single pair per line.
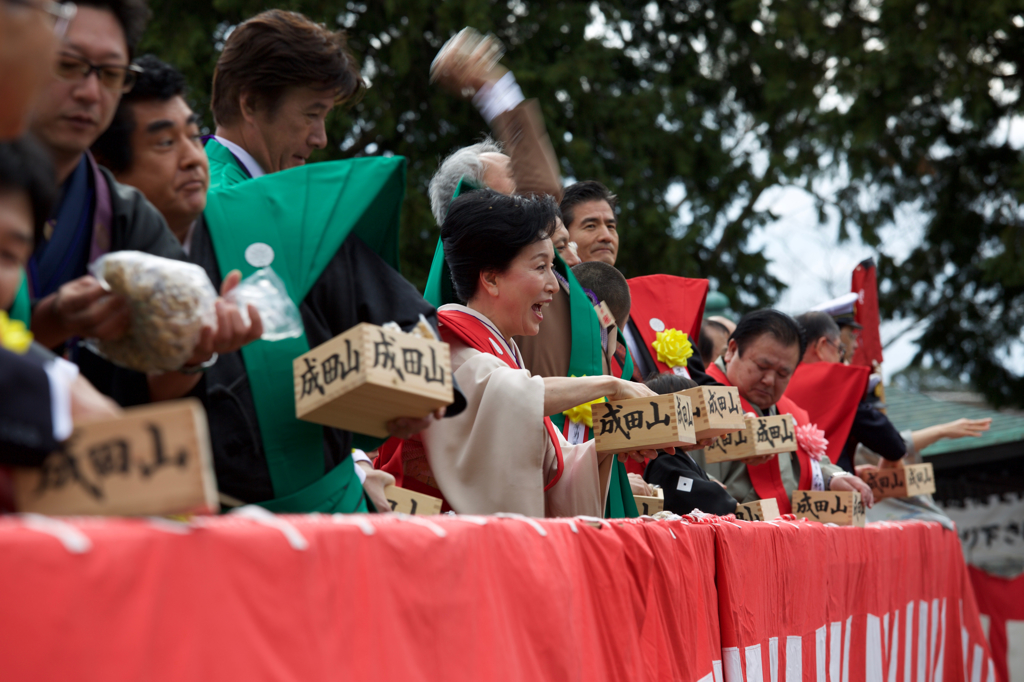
841,507
903,481
649,506
154,460
716,410
367,376
761,436
758,510
640,423
411,502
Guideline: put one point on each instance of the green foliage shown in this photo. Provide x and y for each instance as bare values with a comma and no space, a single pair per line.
601,104
871,106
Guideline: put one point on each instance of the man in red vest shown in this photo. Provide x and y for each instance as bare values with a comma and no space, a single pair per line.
762,355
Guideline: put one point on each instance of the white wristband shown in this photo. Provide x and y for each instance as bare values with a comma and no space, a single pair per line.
357,457
494,99
61,374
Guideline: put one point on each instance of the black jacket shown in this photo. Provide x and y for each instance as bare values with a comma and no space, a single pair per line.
645,363
686,486
876,432
26,422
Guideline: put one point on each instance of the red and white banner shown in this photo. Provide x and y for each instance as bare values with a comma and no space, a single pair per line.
886,603
313,598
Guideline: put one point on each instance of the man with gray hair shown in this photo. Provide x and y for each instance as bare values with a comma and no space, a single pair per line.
524,162
484,164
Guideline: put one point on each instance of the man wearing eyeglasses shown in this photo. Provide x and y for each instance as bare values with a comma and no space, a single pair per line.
839,386
96,214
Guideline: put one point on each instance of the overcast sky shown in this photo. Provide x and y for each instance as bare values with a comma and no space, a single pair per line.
807,257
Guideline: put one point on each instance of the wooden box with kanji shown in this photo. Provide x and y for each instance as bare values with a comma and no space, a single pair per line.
716,410
902,481
640,423
758,510
761,436
841,507
152,460
367,376
649,506
404,501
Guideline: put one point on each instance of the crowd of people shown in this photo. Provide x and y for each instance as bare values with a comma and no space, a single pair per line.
102,152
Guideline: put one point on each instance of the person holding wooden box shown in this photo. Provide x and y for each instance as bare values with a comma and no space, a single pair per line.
524,163
503,454
328,230
763,353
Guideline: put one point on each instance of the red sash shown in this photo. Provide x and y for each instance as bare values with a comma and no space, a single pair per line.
767,478
454,324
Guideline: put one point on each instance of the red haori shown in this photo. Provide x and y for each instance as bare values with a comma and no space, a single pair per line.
678,302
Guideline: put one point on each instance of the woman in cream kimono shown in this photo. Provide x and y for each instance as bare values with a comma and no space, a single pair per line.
502,454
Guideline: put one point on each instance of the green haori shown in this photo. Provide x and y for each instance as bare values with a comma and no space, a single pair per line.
304,215
21,309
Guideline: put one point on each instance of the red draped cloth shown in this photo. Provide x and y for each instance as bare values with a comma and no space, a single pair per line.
677,302
831,391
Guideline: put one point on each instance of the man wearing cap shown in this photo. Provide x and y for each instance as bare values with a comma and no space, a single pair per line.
842,310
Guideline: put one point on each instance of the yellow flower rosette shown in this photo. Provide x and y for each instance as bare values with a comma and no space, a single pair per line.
583,414
13,334
674,347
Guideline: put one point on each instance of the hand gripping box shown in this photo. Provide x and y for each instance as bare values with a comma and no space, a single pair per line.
901,481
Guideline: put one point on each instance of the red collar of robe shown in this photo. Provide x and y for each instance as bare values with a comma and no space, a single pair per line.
767,477
677,302
454,324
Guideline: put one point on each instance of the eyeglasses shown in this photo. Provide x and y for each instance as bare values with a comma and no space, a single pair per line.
114,77
840,348
60,13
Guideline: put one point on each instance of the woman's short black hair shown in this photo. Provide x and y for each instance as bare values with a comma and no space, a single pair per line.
666,382
485,231
760,322
26,168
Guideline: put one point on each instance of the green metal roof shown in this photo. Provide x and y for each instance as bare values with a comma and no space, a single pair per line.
911,410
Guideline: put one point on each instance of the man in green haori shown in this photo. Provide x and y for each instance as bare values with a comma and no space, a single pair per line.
569,343
329,230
